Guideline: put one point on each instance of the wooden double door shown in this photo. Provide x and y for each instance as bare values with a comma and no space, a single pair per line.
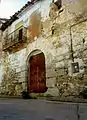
37,81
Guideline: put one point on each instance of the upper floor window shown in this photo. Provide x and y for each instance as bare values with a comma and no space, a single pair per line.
20,34
58,3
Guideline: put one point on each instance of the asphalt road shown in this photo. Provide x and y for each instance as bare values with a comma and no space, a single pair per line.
11,109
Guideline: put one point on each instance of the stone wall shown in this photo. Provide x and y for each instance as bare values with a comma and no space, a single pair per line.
55,42
14,77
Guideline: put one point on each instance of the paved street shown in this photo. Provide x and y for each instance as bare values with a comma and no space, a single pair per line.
41,110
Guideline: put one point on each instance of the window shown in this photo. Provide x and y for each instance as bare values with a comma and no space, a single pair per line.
58,3
20,34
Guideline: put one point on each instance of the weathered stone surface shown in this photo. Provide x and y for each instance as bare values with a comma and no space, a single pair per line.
50,73
50,82
52,91
18,89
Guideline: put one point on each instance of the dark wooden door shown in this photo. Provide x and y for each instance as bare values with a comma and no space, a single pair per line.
37,74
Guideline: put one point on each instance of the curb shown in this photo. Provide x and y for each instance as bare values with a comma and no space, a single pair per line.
54,101
65,102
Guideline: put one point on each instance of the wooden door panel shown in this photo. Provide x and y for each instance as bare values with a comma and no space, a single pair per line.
37,74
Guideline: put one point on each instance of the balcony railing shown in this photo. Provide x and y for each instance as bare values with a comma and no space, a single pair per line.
17,36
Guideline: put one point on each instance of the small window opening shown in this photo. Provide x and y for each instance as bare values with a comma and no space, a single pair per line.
58,3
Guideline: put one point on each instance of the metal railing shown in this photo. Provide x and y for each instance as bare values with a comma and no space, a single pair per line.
17,36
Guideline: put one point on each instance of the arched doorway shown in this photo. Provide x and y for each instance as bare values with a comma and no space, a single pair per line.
37,73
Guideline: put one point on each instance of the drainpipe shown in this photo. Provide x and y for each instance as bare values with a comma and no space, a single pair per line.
72,56
71,45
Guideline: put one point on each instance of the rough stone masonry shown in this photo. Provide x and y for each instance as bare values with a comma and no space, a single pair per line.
61,36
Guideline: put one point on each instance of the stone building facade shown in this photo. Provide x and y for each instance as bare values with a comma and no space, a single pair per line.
53,29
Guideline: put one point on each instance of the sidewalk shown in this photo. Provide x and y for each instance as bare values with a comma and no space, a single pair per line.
49,99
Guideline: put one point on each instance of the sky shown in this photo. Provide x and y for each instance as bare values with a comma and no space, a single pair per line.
9,7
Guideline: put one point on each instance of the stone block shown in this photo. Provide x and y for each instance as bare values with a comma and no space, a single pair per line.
24,86
52,91
85,79
21,79
85,76
18,89
22,74
50,73
18,69
59,58
60,64
51,82
60,71
24,68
